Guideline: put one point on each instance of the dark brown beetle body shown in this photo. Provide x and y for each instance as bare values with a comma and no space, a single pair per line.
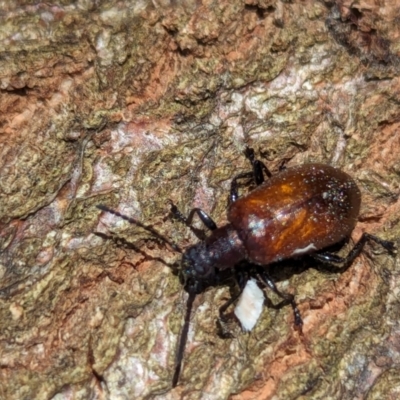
301,210
298,211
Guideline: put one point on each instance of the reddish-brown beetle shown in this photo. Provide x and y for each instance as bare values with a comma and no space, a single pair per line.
301,210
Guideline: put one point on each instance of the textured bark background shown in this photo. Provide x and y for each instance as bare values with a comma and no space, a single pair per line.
129,104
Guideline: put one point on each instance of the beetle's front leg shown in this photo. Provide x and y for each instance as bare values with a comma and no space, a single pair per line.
204,217
223,324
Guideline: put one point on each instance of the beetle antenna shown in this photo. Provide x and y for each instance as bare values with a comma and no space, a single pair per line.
183,338
148,228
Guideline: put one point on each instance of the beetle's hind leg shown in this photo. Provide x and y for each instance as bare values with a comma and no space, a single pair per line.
287,297
332,259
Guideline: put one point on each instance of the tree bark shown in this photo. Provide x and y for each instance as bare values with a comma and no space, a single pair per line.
129,104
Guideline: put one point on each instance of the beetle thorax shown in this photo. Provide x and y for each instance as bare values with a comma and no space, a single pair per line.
221,250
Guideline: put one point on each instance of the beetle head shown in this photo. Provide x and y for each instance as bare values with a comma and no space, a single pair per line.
197,269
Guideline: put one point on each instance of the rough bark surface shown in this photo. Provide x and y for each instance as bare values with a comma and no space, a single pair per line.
129,104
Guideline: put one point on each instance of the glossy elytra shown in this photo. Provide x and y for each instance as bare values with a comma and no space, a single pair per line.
301,210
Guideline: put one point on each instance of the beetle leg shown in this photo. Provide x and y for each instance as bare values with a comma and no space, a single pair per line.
222,321
234,195
287,297
241,281
354,252
257,174
205,218
258,166
282,165
328,258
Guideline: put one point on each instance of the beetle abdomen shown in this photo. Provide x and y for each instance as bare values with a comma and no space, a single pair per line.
298,211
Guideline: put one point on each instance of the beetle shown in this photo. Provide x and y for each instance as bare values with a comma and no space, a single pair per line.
301,210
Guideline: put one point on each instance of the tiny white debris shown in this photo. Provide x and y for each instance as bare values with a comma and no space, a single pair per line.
250,304
306,249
